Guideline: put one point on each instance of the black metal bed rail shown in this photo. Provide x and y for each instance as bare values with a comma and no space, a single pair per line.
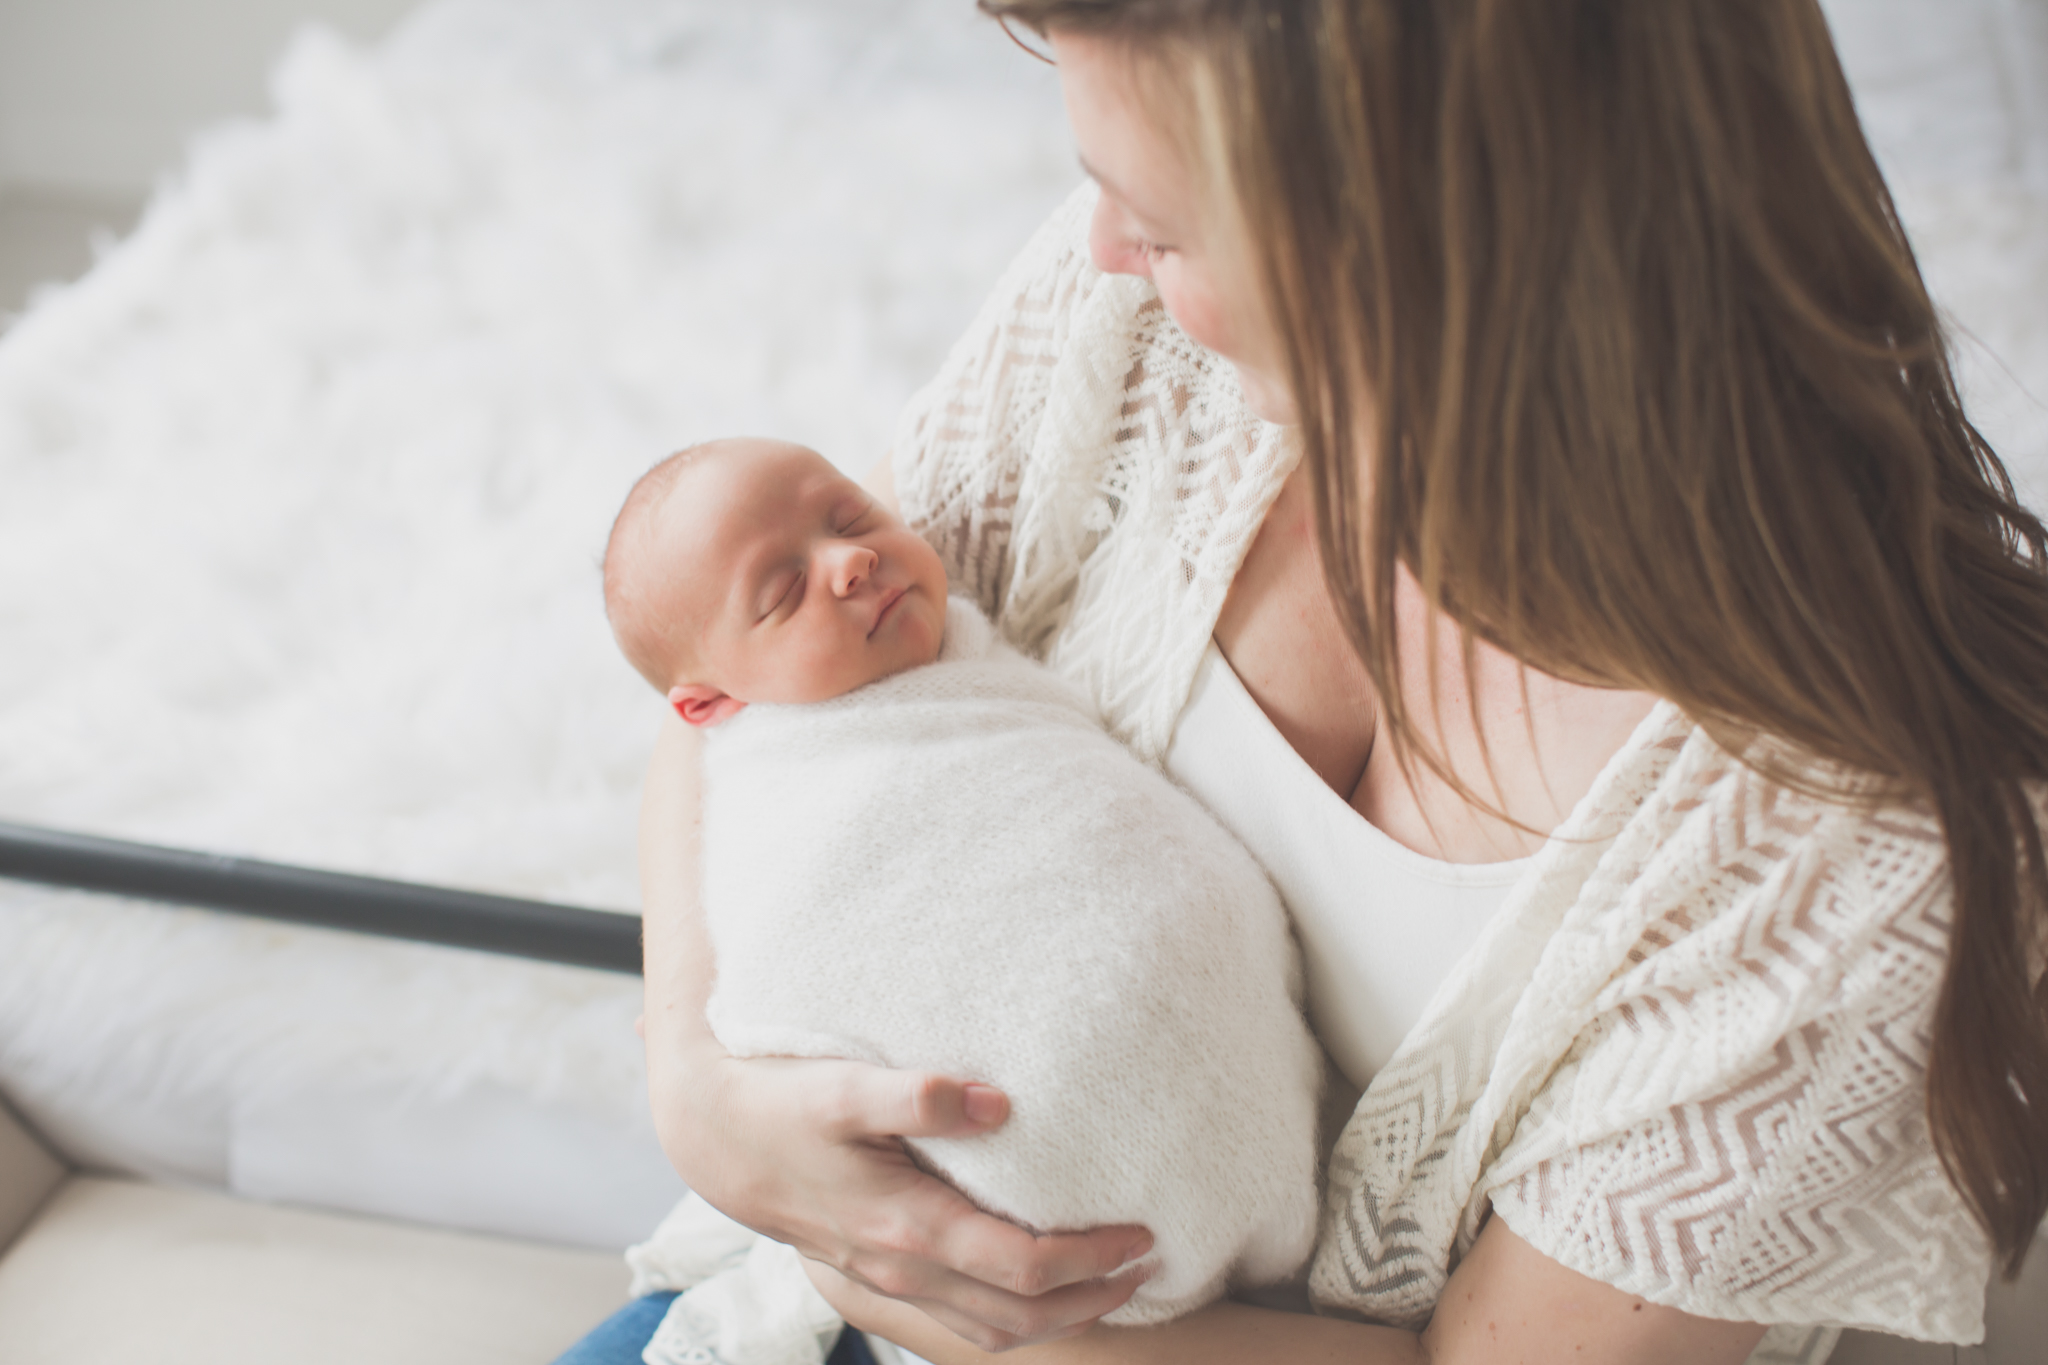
334,900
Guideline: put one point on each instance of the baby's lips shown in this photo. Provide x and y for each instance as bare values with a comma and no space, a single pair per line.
889,600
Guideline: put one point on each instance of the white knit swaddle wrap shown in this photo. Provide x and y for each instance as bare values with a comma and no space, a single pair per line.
957,870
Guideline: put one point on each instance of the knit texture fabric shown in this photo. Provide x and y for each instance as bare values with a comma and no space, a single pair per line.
1688,1059
956,869
742,1299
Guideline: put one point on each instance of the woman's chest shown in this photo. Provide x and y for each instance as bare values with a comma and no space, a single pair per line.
1288,647
1379,925
1520,748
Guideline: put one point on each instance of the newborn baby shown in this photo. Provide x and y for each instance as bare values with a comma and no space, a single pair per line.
920,849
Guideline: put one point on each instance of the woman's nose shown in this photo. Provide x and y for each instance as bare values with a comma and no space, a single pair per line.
1110,248
851,566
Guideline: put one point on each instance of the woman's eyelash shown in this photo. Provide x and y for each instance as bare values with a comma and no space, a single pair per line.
1150,250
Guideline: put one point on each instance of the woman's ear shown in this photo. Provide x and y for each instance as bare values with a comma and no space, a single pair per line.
701,704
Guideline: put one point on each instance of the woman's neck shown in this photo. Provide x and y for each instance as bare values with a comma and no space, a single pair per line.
1545,740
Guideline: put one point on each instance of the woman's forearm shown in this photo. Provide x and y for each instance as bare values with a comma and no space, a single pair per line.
1222,1334
1505,1301
677,949
1232,1334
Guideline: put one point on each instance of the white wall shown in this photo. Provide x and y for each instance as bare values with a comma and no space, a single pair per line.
1950,89
98,97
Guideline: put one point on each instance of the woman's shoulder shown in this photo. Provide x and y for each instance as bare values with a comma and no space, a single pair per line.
1689,1061
1741,909
1736,1125
1755,898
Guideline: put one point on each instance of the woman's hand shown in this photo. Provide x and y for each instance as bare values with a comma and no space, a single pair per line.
896,1321
810,1152
816,1161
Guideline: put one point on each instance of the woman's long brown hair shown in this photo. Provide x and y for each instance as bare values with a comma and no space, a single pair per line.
1602,323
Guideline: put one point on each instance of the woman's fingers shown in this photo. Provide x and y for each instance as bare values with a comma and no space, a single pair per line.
936,1224
988,1281
909,1324
929,1237
827,1172
992,1319
1010,1259
996,1321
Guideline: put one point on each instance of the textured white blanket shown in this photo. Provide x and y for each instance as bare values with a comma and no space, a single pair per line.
957,869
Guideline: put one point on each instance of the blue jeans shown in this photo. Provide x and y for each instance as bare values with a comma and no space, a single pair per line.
620,1338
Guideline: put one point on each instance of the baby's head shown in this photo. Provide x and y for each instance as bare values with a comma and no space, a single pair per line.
751,570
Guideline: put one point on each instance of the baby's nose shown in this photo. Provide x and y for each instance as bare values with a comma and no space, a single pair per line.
852,567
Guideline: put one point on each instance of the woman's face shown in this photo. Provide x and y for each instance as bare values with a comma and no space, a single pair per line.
1153,221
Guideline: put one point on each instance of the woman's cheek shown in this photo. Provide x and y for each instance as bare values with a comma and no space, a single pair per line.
1203,316
1195,307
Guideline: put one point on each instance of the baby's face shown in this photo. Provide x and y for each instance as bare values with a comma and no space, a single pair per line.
798,586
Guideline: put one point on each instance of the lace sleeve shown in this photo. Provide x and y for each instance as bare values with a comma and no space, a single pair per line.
1787,1176
963,440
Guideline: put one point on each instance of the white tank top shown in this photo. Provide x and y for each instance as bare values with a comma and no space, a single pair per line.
1380,925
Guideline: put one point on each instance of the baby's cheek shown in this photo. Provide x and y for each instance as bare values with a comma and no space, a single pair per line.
815,671
933,627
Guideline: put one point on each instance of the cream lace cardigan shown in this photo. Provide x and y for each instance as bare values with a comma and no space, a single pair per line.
1687,1057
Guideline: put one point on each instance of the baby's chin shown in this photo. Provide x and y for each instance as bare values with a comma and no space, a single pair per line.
921,635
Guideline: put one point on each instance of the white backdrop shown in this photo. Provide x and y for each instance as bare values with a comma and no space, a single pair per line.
97,97
302,493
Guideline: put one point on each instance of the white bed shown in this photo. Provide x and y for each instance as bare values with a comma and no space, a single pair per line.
306,482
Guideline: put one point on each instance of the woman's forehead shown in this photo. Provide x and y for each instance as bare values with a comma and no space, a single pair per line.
1118,106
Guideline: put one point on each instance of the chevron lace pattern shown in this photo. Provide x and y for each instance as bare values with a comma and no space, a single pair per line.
1706,1088
1092,477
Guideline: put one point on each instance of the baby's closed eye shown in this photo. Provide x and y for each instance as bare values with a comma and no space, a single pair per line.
785,594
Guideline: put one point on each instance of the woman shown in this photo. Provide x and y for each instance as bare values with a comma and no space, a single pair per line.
1609,435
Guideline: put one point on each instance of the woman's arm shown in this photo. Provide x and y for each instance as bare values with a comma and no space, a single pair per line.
807,1152
1507,1304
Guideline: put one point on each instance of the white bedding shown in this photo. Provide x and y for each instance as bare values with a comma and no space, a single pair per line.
306,483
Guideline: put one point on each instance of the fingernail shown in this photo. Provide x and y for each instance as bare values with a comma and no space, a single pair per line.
984,1104
1139,1250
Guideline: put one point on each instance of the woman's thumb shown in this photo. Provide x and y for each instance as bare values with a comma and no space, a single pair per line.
920,1104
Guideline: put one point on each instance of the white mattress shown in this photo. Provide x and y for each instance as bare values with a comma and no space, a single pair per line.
307,481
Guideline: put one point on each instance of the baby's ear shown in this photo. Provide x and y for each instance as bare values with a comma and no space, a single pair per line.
702,704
